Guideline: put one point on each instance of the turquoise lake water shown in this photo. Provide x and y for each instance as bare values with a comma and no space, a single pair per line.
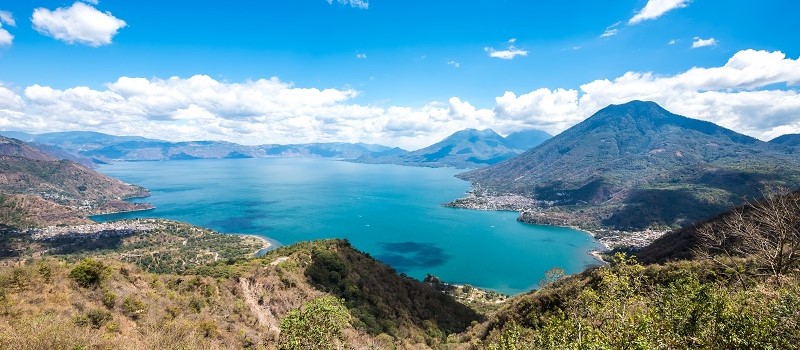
392,212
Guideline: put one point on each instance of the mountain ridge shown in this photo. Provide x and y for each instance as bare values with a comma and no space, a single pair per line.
90,148
467,148
616,168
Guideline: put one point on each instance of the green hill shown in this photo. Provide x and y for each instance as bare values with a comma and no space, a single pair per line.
636,165
791,140
682,305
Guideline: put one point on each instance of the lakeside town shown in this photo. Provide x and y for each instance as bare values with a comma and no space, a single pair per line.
115,228
538,212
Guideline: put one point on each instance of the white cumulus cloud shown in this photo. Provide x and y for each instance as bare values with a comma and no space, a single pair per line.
754,92
656,8
455,64
79,23
9,100
699,42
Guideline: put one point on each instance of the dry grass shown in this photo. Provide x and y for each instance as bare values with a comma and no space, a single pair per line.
41,307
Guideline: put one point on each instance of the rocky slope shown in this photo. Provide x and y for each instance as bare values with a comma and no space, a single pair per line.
24,210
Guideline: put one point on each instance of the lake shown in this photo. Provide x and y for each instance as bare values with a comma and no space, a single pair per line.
393,212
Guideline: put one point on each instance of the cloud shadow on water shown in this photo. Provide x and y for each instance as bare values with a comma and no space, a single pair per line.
405,256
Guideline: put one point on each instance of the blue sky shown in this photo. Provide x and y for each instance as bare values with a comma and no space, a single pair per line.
405,61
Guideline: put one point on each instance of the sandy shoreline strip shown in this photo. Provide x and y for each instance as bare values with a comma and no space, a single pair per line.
267,246
598,255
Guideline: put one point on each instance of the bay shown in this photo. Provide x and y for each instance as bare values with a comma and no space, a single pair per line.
392,212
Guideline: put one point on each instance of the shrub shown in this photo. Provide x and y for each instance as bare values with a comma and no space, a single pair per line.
133,307
327,271
196,304
109,299
317,325
94,318
45,271
89,273
208,328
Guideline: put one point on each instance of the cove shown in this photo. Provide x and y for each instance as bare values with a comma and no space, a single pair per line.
392,212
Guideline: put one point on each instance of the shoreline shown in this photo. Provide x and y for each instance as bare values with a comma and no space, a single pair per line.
607,238
597,253
268,244
152,207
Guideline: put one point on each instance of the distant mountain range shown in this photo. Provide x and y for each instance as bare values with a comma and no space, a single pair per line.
467,148
636,165
103,148
49,191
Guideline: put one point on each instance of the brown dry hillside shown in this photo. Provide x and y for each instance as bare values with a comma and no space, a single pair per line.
179,286
17,148
68,191
22,210
63,182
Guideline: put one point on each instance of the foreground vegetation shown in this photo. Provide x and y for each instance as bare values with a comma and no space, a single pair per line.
740,291
684,305
150,291
180,286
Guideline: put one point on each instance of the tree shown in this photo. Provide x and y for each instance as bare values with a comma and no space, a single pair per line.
89,273
767,231
317,325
